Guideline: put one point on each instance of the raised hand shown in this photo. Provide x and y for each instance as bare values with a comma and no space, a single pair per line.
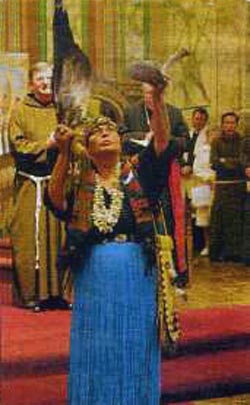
153,98
63,137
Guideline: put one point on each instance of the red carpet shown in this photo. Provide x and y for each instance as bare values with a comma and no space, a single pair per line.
45,390
6,264
213,358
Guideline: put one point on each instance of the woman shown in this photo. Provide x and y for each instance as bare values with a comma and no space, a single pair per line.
115,353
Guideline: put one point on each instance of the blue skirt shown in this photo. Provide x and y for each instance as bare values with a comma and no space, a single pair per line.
114,350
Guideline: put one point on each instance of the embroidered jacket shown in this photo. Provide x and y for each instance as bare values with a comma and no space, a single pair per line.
142,202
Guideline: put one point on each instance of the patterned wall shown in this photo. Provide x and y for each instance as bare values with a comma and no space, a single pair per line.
116,33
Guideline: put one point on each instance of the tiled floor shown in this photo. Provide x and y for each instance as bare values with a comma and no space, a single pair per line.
219,285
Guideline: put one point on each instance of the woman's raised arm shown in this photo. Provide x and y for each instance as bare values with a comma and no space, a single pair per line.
56,189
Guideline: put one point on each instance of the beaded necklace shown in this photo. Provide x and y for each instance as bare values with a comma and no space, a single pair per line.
106,218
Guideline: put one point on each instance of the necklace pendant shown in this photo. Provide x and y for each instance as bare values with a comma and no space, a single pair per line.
106,218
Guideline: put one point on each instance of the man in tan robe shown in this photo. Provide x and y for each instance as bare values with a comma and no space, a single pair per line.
36,234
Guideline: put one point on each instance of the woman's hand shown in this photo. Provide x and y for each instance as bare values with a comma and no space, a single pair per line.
186,170
56,189
63,137
154,100
159,122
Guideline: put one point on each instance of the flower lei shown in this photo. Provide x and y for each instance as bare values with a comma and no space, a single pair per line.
106,218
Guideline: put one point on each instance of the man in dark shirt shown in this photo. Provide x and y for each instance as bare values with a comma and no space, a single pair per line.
227,208
136,126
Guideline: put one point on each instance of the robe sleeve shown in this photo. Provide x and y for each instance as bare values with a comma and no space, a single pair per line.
20,140
153,170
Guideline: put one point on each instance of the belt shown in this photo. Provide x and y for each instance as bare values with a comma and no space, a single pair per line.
38,180
229,181
120,238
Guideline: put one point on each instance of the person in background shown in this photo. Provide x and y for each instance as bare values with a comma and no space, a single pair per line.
197,137
226,212
35,233
245,161
115,350
204,177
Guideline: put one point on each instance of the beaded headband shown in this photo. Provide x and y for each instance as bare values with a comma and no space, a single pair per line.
92,125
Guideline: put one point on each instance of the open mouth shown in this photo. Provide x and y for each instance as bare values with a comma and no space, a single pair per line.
45,90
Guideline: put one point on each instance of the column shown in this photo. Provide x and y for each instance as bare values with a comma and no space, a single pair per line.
85,25
29,33
12,21
3,19
42,29
146,29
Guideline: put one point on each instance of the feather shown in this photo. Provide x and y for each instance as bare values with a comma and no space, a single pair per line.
176,57
72,78
149,73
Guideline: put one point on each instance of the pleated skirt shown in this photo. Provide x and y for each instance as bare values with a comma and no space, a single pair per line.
114,348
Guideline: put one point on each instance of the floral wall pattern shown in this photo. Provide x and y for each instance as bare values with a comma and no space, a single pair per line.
115,33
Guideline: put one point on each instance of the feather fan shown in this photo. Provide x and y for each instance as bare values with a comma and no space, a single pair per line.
176,57
72,76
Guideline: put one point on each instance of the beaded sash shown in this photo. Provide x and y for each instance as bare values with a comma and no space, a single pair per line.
167,317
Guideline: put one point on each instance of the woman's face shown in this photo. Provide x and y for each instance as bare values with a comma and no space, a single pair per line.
104,140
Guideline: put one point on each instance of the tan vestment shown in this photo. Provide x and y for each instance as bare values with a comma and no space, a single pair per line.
36,234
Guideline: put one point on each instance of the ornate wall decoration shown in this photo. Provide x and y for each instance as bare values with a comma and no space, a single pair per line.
13,85
116,33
